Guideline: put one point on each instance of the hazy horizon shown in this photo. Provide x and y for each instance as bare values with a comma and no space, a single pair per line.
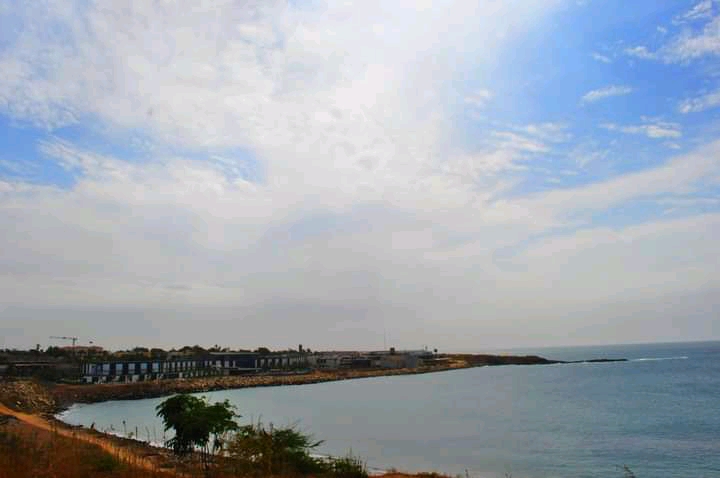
463,175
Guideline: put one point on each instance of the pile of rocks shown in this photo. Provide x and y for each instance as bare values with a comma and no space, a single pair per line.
26,396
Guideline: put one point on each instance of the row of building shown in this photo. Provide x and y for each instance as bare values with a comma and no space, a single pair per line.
234,363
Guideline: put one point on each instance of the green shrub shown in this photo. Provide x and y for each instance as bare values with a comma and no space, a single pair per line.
198,425
348,467
258,450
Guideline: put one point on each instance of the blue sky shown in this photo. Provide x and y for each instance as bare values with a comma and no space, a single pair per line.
473,173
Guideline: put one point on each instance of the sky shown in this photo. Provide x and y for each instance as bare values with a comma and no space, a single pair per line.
462,175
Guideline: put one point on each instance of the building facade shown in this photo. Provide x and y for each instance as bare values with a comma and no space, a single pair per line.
210,364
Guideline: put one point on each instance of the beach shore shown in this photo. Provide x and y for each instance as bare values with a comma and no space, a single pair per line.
35,404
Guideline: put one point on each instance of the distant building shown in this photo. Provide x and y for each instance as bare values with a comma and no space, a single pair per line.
234,363
141,370
376,359
282,361
83,350
181,366
231,363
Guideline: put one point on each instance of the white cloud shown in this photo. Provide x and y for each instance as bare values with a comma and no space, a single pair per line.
183,233
479,98
361,211
549,131
640,52
602,58
606,92
584,155
692,46
359,110
692,43
582,263
689,201
700,11
515,141
651,129
700,103
681,175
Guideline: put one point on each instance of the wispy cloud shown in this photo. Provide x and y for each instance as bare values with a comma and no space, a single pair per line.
691,43
585,154
552,132
651,129
700,11
700,103
302,156
688,201
691,46
606,92
601,58
640,52
479,98
679,175
519,142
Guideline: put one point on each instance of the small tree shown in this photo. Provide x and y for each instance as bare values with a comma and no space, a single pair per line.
269,451
197,424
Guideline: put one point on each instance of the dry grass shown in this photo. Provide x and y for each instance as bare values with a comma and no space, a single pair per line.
34,447
28,452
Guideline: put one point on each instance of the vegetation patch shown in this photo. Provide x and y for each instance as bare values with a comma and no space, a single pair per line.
211,431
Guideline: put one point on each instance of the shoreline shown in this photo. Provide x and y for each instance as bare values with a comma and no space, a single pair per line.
40,405
67,395
52,398
140,454
38,397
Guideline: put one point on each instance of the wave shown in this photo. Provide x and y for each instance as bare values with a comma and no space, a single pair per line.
655,359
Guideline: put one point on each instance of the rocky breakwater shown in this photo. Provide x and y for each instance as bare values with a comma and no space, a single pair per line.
27,396
480,360
42,397
65,394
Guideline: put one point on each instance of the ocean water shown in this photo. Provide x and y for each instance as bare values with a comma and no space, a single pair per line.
659,414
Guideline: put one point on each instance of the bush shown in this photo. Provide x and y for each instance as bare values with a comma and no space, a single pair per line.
258,450
197,424
348,467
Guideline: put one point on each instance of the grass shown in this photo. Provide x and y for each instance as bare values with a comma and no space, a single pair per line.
30,453
257,450
27,452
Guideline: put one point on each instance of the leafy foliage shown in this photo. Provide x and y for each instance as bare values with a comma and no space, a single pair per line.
197,424
272,451
348,467
265,451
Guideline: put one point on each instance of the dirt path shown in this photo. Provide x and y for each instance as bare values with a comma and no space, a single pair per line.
123,453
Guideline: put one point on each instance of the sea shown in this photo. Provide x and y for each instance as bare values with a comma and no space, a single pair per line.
657,414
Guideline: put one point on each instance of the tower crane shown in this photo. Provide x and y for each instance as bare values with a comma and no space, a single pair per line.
73,339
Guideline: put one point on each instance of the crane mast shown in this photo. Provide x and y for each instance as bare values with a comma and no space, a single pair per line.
61,337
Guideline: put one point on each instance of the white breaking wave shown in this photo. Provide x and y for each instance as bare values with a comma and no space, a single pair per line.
654,359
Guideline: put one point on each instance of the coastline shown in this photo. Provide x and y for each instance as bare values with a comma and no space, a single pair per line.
53,398
39,404
66,395
49,398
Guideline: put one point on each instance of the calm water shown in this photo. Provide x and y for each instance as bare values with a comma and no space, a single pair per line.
658,413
